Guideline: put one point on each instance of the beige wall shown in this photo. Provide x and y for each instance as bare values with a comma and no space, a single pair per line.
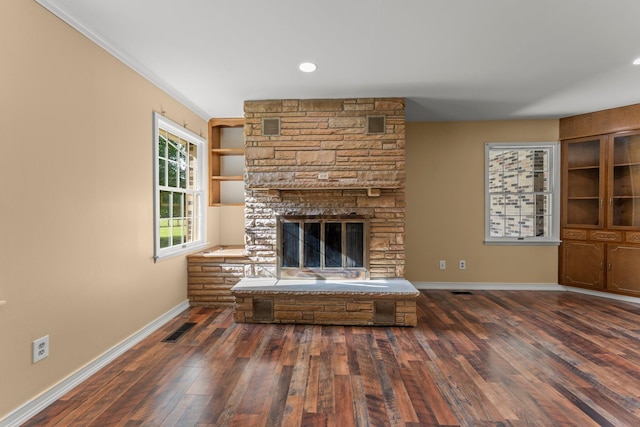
445,205
75,201
230,225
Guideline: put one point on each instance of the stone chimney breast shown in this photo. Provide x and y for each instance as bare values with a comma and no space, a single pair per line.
329,158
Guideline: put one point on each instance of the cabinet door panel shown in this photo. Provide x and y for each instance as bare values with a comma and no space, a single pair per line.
583,182
623,269
582,264
624,181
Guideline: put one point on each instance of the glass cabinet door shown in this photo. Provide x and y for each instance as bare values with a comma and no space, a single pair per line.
624,186
583,183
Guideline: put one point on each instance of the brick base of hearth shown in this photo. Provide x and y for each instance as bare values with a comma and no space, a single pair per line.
318,302
213,272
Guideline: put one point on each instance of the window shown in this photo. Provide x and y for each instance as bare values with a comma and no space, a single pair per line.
522,200
179,189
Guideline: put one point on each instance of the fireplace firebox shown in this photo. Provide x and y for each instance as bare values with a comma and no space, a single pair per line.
323,247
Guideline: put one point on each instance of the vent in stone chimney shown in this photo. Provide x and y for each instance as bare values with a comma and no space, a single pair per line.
270,127
375,124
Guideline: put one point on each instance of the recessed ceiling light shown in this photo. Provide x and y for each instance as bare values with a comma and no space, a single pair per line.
308,67
636,61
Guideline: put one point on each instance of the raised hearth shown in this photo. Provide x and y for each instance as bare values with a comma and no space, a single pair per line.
326,302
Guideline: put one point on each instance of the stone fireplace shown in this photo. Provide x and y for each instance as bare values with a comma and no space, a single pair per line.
331,159
324,217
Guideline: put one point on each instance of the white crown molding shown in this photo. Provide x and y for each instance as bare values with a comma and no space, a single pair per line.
145,72
32,407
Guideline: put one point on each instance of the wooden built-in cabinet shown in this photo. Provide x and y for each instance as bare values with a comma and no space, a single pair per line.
601,212
218,153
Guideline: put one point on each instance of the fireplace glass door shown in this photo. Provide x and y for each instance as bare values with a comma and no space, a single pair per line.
322,248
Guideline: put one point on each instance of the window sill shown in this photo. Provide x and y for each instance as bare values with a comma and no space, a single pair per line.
522,242
181,251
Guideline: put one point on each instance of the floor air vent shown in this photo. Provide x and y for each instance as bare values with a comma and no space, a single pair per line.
462,293
179,332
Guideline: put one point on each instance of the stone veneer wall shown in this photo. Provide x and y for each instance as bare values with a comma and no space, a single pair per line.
210,278
324,310
365,174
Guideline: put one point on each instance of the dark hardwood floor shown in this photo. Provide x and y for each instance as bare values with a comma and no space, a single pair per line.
493,358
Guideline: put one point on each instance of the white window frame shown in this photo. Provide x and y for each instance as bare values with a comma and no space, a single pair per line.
199,191
554,188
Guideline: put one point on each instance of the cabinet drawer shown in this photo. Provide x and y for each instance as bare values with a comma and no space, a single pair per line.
632,236
570,233
606,236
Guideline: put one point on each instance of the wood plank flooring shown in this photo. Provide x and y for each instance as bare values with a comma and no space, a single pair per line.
493,358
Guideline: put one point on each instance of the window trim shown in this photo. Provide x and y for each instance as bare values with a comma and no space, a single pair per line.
554,182
199,242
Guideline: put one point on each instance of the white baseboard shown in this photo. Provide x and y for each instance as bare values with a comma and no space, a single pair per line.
470,286
625,298
489,286
32,407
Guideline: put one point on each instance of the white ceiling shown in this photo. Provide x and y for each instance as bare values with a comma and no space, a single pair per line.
451,59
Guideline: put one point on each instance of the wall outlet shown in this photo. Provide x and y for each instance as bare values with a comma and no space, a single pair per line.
463,264
443,264
323,175
40,348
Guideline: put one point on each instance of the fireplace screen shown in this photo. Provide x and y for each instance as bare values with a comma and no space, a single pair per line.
323,248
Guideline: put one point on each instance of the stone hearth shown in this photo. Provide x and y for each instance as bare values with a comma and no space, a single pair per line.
327,302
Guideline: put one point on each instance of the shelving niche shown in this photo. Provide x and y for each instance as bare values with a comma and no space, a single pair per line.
226,162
